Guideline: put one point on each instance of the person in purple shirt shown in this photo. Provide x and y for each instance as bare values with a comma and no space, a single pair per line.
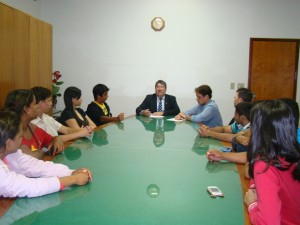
206,111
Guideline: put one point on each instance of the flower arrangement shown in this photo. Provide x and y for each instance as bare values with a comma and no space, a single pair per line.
56,83
56,75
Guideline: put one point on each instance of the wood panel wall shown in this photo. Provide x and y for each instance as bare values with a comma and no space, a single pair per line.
25,51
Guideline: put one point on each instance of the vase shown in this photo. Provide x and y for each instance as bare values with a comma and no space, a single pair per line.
54,101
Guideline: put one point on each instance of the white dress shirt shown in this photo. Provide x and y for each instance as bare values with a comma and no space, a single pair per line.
48,124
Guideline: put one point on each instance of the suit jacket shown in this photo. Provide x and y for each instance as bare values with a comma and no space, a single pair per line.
150,102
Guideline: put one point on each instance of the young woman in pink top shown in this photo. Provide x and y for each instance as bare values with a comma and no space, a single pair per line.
274,164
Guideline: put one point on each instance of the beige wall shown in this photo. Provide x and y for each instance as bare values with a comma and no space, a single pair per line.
204,41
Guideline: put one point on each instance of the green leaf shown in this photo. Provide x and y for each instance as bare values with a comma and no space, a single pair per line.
55,90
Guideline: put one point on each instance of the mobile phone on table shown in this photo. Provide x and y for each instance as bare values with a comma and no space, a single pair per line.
226,149
214,191
48,151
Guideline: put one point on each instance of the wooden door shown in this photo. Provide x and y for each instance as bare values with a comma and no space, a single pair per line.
273,68
41,54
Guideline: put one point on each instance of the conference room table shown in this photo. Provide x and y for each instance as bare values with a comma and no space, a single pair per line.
145,171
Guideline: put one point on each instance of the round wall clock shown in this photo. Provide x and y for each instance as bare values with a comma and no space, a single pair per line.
157,24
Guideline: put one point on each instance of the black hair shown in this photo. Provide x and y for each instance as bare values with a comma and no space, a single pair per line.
41,93
245,94
161,82
243,108
204,90
9,126
294,107
273,136
16,100
69,94
99,90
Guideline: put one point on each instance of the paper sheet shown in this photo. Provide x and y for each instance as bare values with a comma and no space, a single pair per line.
153,116
173,119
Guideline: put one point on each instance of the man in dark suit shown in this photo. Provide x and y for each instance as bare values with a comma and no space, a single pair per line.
160,103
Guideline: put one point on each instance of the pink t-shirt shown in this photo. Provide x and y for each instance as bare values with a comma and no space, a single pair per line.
278,196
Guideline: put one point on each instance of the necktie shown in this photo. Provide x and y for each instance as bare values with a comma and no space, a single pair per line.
159,123
159,108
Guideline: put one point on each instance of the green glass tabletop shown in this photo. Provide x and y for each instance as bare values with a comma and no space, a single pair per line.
146,171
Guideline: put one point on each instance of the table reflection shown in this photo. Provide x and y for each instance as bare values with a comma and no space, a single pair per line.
120,125
73,152
202,144
158,126
158,137
153,190
30,209
100,138
215,167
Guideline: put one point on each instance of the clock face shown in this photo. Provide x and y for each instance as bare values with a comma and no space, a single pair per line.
157,24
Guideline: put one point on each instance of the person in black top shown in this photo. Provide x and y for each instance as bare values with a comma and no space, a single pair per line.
98,110
73,116
159,103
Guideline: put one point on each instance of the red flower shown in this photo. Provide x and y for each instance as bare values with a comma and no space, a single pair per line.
55,83
56,75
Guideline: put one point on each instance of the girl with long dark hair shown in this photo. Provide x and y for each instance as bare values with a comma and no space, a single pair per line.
274,164
73,116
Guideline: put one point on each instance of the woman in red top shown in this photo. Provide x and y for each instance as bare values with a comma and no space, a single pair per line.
35,141
274,158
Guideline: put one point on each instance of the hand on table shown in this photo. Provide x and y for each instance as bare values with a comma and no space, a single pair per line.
85,171
57,144
121,116
214,155
204,131
146,112
181,116
158,113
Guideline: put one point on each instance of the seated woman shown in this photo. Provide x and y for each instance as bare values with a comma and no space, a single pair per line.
274,165
24,176
35,141
73,116
43,98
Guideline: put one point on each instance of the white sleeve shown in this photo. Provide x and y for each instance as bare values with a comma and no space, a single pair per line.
53,123
23,175
18,185
31,167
